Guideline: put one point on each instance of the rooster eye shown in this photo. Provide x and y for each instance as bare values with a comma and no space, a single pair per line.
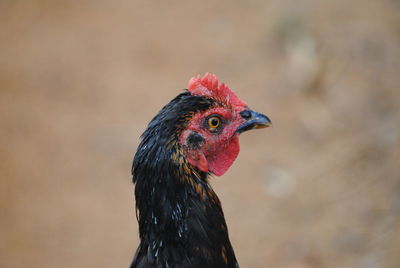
214,122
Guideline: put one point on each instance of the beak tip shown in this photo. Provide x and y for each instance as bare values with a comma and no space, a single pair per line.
263,125
262,121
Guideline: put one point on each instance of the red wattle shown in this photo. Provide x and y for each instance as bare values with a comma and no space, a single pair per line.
222,158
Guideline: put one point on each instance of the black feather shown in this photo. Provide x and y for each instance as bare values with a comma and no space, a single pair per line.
181,222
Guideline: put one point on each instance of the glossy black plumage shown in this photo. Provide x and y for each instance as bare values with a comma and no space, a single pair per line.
181,222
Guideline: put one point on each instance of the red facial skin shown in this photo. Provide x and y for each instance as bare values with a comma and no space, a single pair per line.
220,149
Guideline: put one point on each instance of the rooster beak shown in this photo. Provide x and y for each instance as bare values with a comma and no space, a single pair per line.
254,120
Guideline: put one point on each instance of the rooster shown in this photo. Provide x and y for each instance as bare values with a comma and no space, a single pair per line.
181,222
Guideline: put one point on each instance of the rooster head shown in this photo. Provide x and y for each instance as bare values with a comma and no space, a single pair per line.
210,140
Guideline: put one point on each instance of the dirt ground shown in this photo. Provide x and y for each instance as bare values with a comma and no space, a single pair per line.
79,81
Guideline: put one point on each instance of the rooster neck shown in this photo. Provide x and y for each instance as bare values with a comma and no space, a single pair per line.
180,216
181,222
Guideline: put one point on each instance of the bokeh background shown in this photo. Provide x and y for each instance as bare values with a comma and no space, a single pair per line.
79,81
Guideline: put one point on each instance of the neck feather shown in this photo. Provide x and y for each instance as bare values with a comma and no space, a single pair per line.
181,222
180,216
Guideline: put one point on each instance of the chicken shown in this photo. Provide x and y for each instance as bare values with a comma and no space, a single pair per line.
181,222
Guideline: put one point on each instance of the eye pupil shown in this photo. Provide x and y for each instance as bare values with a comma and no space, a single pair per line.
214,122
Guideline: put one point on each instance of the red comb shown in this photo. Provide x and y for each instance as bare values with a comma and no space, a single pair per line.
207,86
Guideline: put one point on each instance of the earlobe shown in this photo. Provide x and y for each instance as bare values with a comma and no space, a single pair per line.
192,142
197,159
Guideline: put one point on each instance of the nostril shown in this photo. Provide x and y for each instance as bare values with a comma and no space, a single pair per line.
246,114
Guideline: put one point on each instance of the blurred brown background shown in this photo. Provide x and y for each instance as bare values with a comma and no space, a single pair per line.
79,81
